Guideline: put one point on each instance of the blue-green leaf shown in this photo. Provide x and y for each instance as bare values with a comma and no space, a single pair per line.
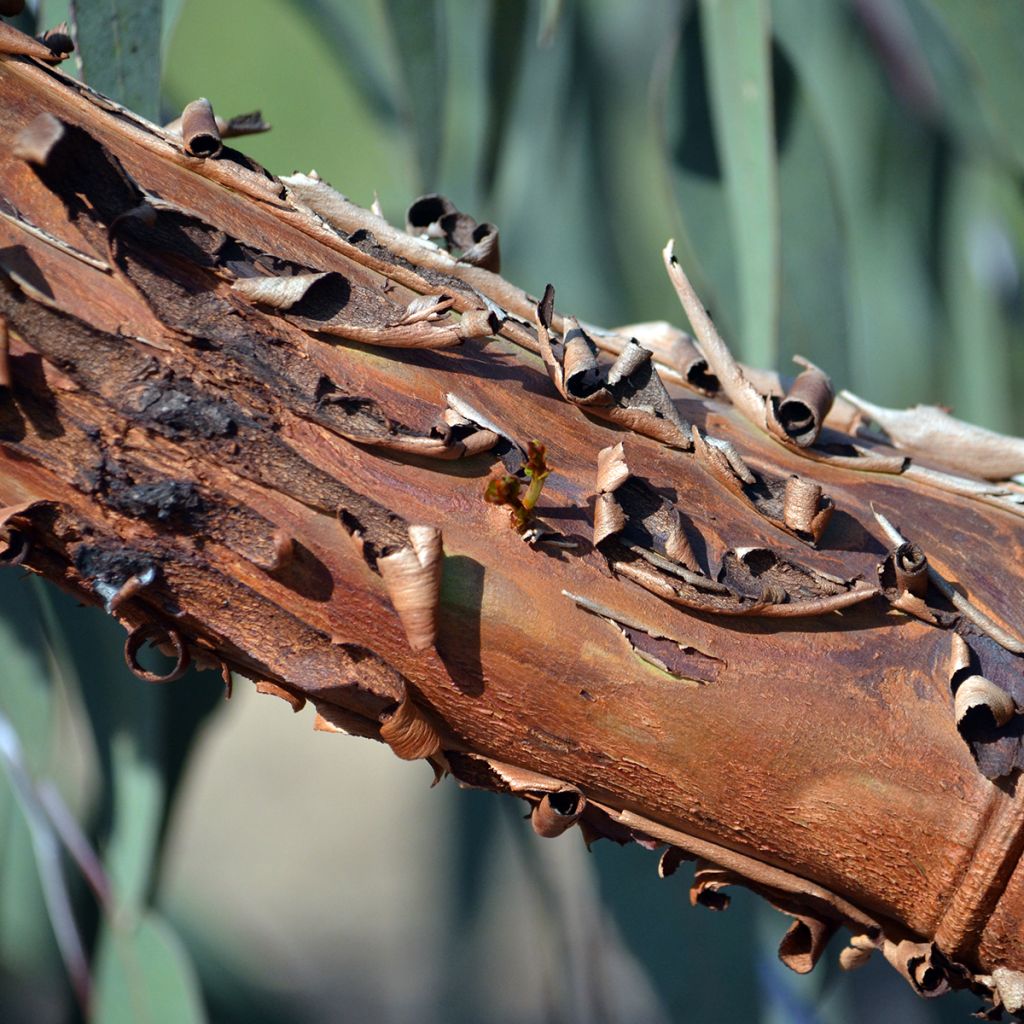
144,976
737,44
118,44
419,35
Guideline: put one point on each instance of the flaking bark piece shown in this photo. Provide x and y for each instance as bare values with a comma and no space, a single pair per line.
200,133
806,938
903,575
967,609
463,423
678,657
15,543
362,420
58,41
796,505
316,310
251,123
18,44
555,813
408,732
413,580
801,414
283,293
437,217
738,387
676,349
929,431
296,701
983,711
920,963
632,508
629,392
753,581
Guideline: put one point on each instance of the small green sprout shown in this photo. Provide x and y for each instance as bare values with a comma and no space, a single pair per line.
504,490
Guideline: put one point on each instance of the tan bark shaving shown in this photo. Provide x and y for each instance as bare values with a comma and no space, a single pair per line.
18,44
970,611
408,733
555,813
294,700
276,292
413,580
199,131
931,432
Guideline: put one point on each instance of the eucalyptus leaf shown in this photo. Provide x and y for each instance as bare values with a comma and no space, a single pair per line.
737,46
118,46
418,33
144,976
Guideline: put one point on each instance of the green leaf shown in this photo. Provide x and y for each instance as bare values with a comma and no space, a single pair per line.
345,27
118,44
737,40
144,976
418,33
878,160
981,277
989,37
506,38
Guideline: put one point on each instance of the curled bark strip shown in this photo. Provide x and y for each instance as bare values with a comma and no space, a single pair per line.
477,323
296,701
929,431
669,861
437,217
800,415
132,587
796,505
15,544
851,957
557,812
12,216
911,569
159,636
405,729
805,940
977,696
281,292
199,131
969,611
633,508
920,963
675,350
708,882
251,123
629,392
58,41
757,582
805,510
479,432
413,580
18,44
630,626
748,400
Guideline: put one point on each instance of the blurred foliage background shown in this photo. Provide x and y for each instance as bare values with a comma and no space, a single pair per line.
844,180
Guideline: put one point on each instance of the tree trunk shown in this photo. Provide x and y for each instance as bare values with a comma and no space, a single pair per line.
227,416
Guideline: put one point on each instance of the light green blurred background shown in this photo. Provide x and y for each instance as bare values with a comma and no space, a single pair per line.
850,191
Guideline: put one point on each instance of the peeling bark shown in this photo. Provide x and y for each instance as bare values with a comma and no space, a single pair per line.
229,412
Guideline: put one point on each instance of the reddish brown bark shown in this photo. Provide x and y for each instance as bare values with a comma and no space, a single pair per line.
239,477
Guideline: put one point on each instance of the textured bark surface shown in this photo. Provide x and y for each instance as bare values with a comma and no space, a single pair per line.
226,423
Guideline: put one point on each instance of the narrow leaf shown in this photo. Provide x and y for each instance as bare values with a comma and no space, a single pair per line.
144,976
418,32
118,45
737,39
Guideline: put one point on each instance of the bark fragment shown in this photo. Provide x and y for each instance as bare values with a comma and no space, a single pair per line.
413,579
629,392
